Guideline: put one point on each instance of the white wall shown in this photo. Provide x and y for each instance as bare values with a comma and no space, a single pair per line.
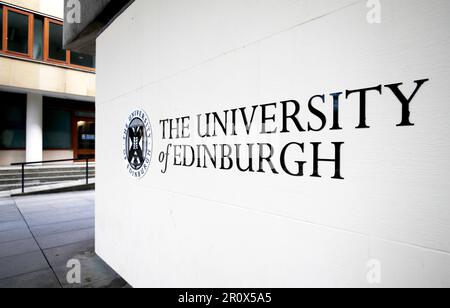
210,228
58,154
8,157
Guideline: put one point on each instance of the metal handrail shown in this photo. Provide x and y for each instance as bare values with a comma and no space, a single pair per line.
51,162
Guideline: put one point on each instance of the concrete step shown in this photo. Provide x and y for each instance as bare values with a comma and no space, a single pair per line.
52,188
49,188
33,175
45,179
31,170
11,177
28,184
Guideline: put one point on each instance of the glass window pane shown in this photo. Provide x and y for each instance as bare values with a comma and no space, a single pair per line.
86,135
1,27
81,59
12,120
85,114
55,50
17,32
38,38
57,129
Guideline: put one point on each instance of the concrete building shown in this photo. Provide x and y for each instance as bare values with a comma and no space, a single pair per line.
272,143
47,93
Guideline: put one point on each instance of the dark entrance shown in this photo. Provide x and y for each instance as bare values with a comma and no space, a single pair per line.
84,137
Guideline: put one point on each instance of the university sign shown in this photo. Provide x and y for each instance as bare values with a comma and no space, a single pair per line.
192,141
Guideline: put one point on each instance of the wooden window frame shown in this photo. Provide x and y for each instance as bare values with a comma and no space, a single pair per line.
46,40
47,22
6,10
69,59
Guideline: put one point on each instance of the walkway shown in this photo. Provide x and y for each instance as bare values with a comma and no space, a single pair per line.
40,234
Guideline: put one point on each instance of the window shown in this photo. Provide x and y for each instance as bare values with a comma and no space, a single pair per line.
86,135
57,129
38,38
55,42
12,121
82,60
27,35
18,32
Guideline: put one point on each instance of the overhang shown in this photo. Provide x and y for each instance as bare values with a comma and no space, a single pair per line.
84,20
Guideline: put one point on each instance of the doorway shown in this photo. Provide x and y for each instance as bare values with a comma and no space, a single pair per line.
84,137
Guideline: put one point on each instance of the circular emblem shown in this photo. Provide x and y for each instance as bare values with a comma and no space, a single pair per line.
138,143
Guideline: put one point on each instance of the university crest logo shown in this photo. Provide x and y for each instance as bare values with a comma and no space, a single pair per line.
138,143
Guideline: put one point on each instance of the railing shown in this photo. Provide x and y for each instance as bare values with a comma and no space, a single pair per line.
53,162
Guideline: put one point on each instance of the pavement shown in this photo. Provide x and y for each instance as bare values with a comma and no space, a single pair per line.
39,235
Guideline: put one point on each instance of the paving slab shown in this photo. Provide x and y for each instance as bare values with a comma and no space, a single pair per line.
15,248
9,215
64,213
59,256
43,279
46,199
56,228
46,220
22,264
7,205
13,225
48,206
4,202
14,235
94,272
65,238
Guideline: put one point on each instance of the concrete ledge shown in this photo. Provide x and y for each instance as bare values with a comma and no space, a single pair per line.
58,190
80,35
52,188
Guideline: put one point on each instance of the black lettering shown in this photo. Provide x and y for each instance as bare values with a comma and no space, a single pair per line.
336,107
363,103
267,158
300,164
317,113
336,160
292,117
406,113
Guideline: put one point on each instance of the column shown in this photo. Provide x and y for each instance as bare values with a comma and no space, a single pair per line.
34,134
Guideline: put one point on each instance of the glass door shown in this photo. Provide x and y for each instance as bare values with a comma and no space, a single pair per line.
84,138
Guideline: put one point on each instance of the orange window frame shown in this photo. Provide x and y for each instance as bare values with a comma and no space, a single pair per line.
30,16
47,58
69,59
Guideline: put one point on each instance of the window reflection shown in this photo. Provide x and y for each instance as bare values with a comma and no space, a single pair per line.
86,135
17,32
55,48
82,59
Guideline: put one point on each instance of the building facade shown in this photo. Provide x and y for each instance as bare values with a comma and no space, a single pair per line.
47,93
